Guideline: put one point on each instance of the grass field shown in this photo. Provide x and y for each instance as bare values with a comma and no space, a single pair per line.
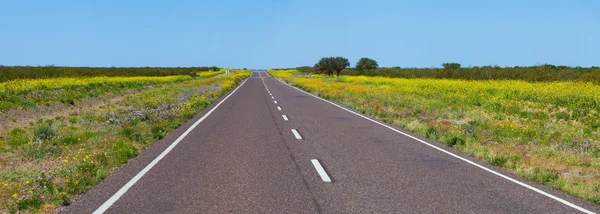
61,136
545,132
8,73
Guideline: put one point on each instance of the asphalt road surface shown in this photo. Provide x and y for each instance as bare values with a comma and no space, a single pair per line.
270,148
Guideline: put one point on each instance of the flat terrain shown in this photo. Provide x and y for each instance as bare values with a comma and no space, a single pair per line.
243,157
547,132
61,136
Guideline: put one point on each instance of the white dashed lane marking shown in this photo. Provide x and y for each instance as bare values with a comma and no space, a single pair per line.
321,171
296,134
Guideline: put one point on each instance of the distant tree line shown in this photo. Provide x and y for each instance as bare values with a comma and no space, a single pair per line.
452,70
33,72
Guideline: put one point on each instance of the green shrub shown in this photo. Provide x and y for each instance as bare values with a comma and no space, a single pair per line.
17,137
539,175
431,131
455,140
562,115
127,132
508,161
451,65
32,202
158,132
123,152
133,135
68,101
44,131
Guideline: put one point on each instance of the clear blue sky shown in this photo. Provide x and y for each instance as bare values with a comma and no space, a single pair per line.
269,33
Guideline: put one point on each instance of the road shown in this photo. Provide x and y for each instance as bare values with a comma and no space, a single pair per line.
243,157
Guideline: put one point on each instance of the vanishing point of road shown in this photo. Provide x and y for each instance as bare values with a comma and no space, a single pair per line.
267,147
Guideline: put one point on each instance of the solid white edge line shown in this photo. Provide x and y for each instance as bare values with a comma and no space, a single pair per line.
454,155
285,117
296,134
321,171
137,177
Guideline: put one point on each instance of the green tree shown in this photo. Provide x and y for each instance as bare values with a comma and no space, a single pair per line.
451,65
366,64
332,64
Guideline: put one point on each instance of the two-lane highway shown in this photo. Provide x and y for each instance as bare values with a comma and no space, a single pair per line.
270,148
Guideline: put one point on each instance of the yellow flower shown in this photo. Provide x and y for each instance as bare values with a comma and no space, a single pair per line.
15,195
26,182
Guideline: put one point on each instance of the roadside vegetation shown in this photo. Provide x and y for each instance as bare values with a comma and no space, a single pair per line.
548,132
328,65
34,72
538,73
61,136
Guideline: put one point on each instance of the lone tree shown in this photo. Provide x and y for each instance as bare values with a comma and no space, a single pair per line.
451,65
366,64
331,64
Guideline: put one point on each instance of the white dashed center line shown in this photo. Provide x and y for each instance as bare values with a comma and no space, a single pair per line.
278,108
296,134
321,171
275,102
285,117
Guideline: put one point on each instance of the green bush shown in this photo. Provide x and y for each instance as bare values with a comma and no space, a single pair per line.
158,132
539,175
32,202
17,137
451,65
561,115
431,131
68,101
44,130
455,140
123,152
